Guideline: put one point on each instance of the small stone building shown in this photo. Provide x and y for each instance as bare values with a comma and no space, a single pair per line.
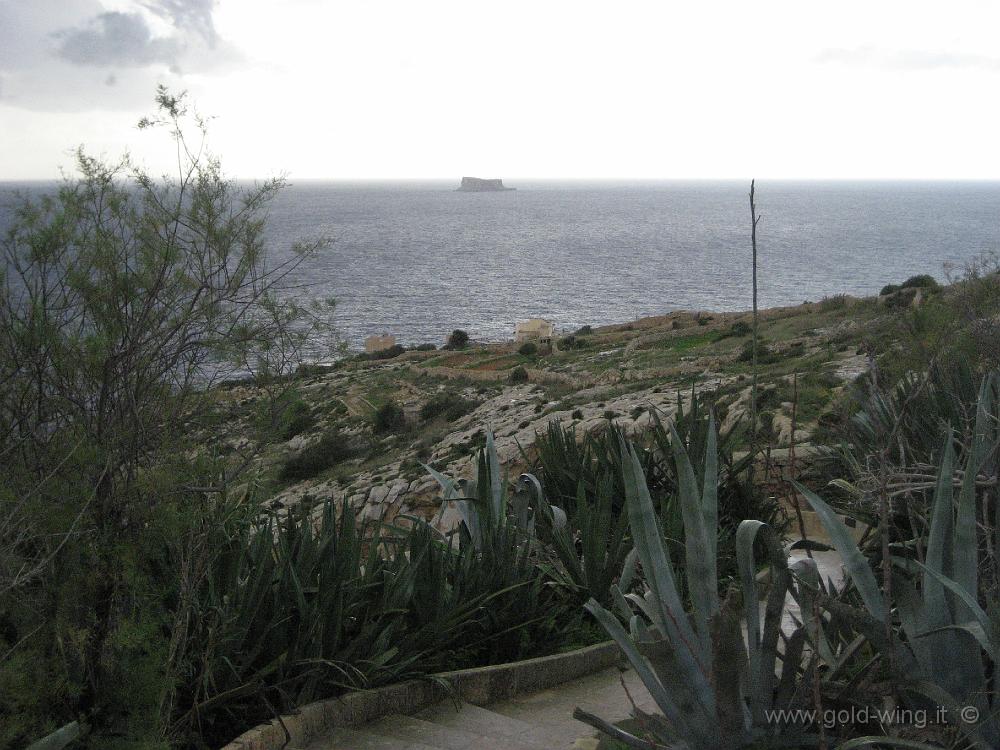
378,343
536,330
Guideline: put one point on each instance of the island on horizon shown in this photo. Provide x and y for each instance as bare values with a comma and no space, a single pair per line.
479,185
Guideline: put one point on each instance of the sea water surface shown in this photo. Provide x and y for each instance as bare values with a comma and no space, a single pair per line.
419,259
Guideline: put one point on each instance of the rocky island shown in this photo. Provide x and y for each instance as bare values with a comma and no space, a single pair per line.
478,185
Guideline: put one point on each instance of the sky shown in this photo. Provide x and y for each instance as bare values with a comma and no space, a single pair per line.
380,89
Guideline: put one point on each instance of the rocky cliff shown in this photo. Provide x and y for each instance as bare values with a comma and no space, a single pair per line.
477,185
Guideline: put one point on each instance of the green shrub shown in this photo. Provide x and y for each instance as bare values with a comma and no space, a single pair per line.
921,281
332,448
577,414
889,289
297,419
765,354
609,414
389,419
833,302
518,375
424,348
901,299
637,411
528,349
450,405
738,329
584,331
458,339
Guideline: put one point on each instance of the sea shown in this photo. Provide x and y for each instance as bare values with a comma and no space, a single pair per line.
419,259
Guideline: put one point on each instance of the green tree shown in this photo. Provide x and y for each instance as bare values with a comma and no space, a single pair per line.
123,297
458,339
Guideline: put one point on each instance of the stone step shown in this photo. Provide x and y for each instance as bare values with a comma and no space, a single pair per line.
409,729
601,693
486,723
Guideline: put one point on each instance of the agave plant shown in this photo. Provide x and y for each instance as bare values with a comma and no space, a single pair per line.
485,502
591,547
947,630
694,664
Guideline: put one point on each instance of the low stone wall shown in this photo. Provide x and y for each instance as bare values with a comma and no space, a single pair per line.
479,686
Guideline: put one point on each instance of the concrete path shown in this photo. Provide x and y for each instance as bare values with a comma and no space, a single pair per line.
539,721
542,720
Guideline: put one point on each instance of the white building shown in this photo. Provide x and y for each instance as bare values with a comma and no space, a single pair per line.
536,330
378,343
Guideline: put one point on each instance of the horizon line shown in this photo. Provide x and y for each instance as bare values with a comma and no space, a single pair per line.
451,179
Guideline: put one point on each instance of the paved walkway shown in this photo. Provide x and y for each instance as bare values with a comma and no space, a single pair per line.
538,721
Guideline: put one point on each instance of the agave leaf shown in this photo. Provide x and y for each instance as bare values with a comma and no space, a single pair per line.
855,562
447,483
620,602
939,540
699,557
59,738
615,732
728,664
710,490
807,573
873,741
969,600
664,701
972,628
496,479
668,612
983,735
762,647
628,570
965,563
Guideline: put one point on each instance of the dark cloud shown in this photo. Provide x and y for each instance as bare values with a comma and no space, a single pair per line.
72,55
907,59
116,39
190,15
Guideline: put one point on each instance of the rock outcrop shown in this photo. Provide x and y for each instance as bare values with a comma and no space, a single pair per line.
478,185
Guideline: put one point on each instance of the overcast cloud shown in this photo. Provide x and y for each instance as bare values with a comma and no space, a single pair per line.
524,88
116,39
908,59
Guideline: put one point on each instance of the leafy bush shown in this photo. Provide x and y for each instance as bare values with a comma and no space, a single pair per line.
765,354
922,281
583,331
518,375
528,349
424,348
889,289
451,405
332,448
738,329
458,339
389,419
833,302
123,295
